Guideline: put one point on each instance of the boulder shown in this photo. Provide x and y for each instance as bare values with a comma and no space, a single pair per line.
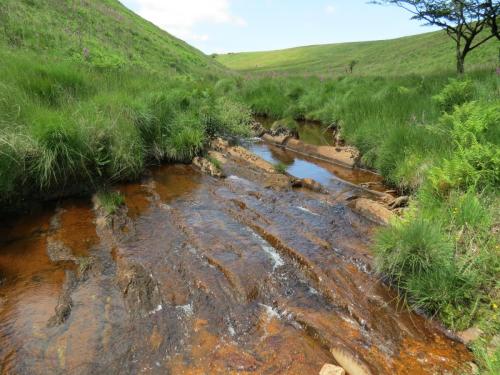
329,369
351,363
470,335
372,210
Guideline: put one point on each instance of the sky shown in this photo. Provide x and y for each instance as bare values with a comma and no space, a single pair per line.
222,26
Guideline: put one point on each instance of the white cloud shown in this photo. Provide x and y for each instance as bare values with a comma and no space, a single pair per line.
179,17
330,9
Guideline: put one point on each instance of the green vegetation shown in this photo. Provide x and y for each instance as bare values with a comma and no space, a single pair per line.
280,168
437,137
94,97
430,53
110,201
216,163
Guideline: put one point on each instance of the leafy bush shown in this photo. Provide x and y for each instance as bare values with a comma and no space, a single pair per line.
457,92
476,157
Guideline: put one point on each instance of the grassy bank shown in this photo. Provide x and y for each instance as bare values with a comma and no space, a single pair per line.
436,137
427,53
82,107
67,126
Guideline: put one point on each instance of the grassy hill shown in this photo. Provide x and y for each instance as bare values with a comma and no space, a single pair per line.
103,33
425,53
91,93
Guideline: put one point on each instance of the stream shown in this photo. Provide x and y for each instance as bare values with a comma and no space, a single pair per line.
200,275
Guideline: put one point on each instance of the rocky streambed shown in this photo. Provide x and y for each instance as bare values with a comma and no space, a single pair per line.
227,269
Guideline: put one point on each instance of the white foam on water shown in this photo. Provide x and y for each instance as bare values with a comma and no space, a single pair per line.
231,330
312,290
306,210
271,313
269,250
156,309
187,309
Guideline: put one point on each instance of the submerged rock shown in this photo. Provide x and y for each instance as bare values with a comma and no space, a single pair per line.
140,290
65,303
347,156
351,364
329,369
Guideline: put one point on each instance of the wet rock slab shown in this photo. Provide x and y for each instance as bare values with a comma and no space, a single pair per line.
198,275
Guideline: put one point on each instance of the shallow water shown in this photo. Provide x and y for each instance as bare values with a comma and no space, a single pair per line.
205,276
303,166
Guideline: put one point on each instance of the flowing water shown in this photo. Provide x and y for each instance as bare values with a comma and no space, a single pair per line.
207,276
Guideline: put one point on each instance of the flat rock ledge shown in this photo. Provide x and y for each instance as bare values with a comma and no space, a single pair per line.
329,369
372,210
345,156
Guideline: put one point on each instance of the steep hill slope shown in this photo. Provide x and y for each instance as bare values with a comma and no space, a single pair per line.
425,53
104,33
91,93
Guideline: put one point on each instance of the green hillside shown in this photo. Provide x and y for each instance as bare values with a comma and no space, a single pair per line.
425,53
103,33
92,94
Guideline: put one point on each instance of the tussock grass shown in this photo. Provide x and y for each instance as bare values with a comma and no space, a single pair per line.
110,201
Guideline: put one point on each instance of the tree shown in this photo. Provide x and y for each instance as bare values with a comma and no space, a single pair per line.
469,23
352,64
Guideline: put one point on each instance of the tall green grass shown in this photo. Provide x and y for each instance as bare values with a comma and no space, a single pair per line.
67,126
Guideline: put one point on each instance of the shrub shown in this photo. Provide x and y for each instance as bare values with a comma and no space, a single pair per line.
476,157
456,92
411,248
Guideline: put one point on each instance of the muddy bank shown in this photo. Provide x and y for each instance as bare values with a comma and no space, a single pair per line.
207,275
